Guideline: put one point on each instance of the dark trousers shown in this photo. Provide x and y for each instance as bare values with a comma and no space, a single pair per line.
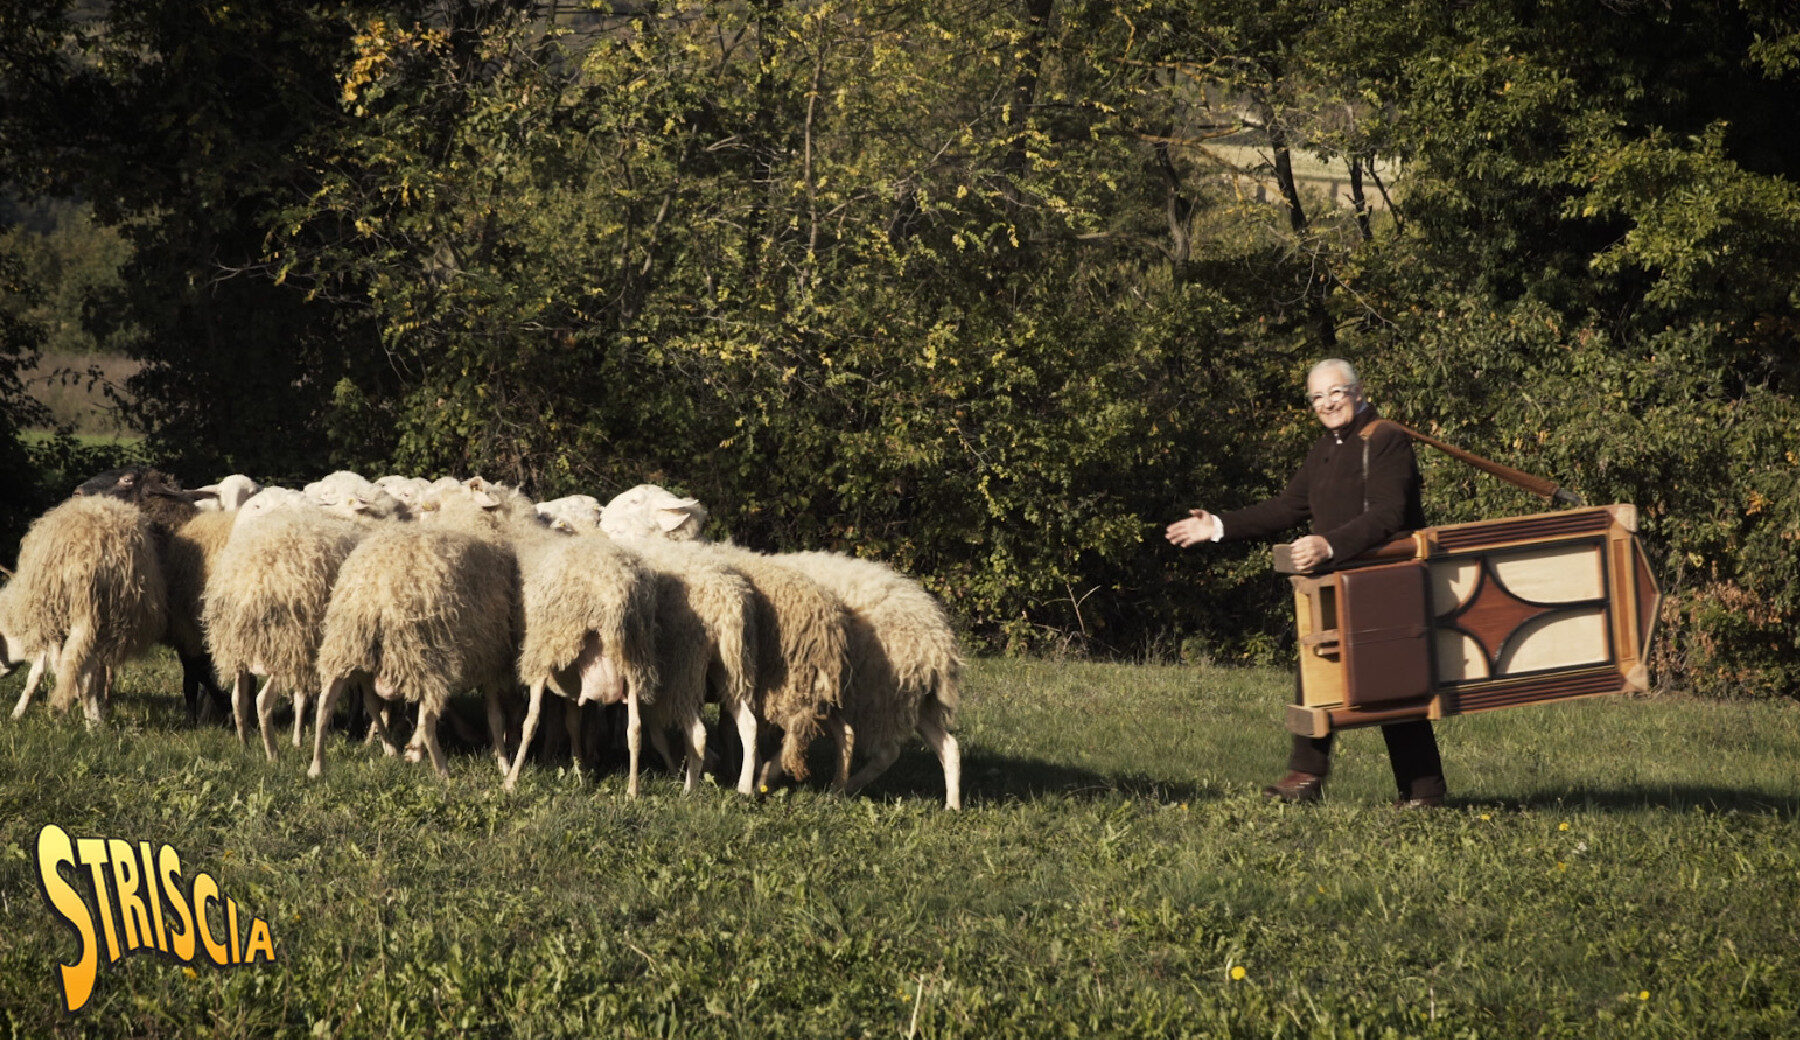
1412,751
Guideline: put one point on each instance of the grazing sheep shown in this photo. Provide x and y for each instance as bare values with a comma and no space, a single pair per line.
353,497
706,641
89,588
420,612
275,499
591,613
14,650
904,665
264,609
649,511
800,626
186,542
228,494
571,513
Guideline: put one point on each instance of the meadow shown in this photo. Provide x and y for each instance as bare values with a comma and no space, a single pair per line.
1612,867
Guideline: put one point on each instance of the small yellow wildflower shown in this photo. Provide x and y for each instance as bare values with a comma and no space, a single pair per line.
190,973
1643,994
1563,826
1237,973
1487,816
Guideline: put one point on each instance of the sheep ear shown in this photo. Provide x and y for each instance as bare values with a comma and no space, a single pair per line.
670,519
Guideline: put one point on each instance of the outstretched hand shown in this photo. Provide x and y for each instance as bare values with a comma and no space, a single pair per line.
1198,526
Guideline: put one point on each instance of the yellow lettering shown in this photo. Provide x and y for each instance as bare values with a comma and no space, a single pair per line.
206,890
147,865
93,857
231,926
54,851
260,941
132,911
168,864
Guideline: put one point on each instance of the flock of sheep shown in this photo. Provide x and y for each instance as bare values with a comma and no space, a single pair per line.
405,590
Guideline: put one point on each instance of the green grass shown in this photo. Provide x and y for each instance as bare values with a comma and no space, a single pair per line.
1608,867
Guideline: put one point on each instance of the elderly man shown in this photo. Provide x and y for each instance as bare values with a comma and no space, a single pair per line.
1356,500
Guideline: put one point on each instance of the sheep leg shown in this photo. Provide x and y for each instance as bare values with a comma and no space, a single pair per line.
879,761
634,739
843,738
93,685
746,730
301,700
377,710
696,750
265,716
949,753
659,740
496,718
72,665
333,690
572,724
528,731
240,704
32,678
428,726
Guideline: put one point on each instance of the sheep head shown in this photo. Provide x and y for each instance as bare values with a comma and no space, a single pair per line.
648,511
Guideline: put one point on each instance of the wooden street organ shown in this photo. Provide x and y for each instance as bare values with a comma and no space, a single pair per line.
1471,617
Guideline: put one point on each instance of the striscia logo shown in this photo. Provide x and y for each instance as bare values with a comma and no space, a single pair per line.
138,899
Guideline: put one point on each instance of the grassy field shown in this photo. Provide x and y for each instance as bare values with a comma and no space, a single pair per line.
1609,867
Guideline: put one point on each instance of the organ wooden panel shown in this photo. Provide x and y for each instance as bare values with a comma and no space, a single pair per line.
1473,617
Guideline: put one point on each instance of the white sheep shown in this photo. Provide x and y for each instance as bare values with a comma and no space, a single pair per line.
800,630
273,499
590,612
591,635
14,650
419,612
228,495
354,497
904,665
186,541
571,513
264,609
706,641
410,491
89,589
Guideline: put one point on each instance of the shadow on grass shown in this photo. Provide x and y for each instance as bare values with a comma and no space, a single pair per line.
991,777
1633,797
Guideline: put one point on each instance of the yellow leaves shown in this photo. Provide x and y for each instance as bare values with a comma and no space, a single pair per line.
1757,502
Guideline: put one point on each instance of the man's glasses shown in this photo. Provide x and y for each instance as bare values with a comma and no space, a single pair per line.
1335,395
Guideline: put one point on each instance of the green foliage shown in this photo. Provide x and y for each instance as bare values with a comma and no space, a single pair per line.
989,296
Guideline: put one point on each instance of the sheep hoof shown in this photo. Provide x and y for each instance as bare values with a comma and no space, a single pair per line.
314,771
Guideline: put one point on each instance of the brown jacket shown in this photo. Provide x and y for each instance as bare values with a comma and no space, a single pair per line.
1329,489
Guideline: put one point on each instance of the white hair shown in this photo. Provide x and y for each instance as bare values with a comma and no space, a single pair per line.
1346,368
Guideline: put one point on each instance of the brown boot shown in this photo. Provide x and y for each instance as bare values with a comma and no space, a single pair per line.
1427,792
1298,787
